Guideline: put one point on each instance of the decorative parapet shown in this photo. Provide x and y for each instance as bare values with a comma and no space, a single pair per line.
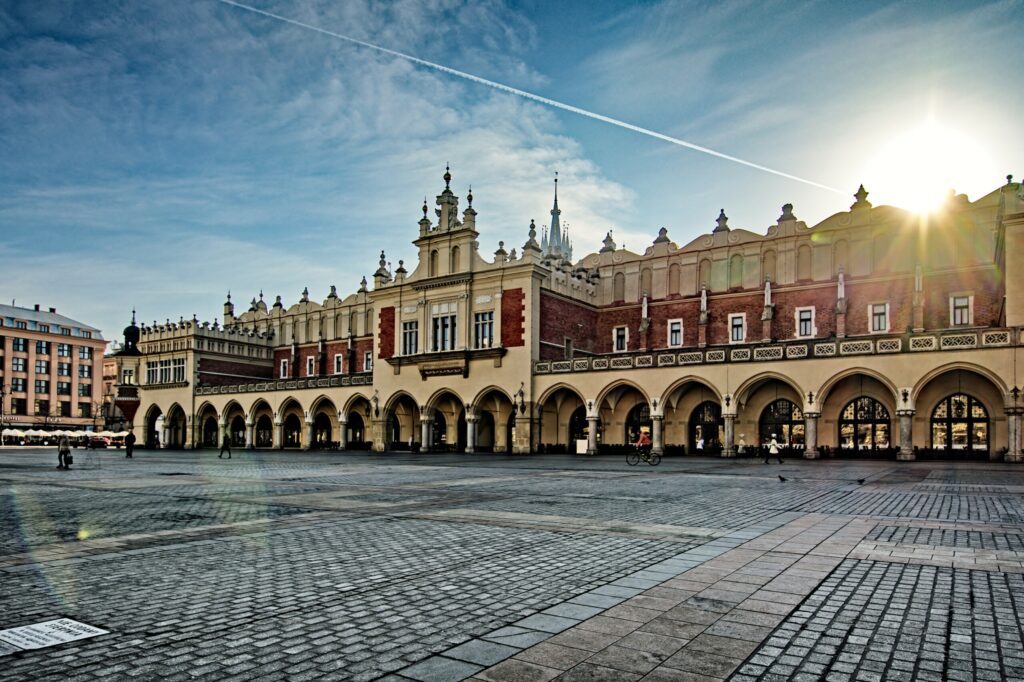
365,379
884,345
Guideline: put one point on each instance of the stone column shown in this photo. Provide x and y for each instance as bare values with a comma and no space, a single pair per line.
592,422
1013,424
657,446
342,431
471,421
250,435
729,447
811,435
426,432
906,453
278,434
307,440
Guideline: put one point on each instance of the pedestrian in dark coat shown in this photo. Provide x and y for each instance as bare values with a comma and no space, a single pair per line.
129,445
63,453
225,446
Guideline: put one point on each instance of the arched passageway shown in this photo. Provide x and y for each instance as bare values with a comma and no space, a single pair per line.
562,421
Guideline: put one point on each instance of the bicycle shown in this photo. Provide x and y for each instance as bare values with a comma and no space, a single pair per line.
636,454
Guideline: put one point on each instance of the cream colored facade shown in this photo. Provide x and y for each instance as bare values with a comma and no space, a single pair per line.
873,332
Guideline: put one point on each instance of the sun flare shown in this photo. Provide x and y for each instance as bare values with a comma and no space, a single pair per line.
918,167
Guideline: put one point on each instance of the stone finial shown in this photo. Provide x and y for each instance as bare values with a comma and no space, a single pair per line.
401,268
383,260
1009,179
862,199
469,196
362,284
500,256
305,294
662,236
334,292
277,301
447,176
531,243
787,213
609,243
723,222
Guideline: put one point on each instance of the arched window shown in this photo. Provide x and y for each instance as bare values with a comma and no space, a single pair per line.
433,263
368,321
264,432
783,420
619,287
638,419
707,428
960,422
673,279
352,321
768,266
455,263
864,424
238,432
840,257
736,271
704,274
292,431
645,282
803,262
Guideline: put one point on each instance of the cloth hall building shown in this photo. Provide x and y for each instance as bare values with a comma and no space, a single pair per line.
875,332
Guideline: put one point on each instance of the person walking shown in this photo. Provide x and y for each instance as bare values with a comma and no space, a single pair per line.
63,453
225,445
129,445
773,449
741,449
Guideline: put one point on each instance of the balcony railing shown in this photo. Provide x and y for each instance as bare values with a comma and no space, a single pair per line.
329,381
789,350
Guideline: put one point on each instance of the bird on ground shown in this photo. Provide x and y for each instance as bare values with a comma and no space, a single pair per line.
860,481
783,478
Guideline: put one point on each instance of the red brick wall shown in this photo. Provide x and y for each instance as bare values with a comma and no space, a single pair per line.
283,353
898,292
982,284
387,333
512,318
559,318
688,312
211,372
362,346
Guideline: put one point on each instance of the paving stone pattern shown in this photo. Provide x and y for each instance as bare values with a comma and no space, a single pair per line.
359,566
888,621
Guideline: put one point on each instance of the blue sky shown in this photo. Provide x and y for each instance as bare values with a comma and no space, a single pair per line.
157,154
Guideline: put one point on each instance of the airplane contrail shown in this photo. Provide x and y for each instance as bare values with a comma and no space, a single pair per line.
531,96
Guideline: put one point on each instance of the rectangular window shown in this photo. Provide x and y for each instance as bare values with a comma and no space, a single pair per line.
87,335
85,371
675,333
410,337
737,328
63,388
960,310
19,406
42,386
42,408
165,372
178,370
152,373
805,323
44,328
879,314
483,329
127,377
84,410
84,353
20,345
18,364
42,347
18,384
64,331
620,339
64,350
337,364
368,361
65,408
64,369
84,390
310,366
42,366
444,326
21,324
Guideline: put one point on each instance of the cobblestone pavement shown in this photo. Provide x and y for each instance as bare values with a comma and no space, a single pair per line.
357,566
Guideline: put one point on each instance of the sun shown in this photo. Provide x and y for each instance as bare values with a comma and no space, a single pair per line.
918,167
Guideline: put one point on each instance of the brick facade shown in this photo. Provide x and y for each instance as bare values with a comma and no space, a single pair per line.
513,317
386,333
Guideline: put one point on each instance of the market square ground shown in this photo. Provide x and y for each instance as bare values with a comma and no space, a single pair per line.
277,565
